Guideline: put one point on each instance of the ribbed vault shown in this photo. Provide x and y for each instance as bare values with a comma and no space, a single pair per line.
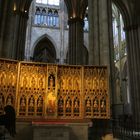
76,8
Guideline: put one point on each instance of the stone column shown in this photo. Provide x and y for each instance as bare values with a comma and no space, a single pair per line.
133,53
62,31
100,32
27,54
101,45
20,25
76,10
13,29
101,50
6,26
75,51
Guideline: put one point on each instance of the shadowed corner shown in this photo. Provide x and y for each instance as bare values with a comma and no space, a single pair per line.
8,120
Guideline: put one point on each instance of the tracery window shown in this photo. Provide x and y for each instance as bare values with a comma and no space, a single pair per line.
44,17
118,34
37,16
120,57
55,18
86,25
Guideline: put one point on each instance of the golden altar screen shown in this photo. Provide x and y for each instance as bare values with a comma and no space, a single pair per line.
51,91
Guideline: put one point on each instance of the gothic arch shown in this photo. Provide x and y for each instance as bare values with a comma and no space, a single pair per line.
42,37
44,50
121,6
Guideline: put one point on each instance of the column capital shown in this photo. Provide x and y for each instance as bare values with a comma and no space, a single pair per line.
75,19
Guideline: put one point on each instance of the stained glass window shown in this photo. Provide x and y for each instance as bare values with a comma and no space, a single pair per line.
118,34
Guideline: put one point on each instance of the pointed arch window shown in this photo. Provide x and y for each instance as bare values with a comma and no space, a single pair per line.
37,16
118,34
86,25
44,17
50,17
55,19
120,57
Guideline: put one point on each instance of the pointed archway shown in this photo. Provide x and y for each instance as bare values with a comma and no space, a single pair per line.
44,51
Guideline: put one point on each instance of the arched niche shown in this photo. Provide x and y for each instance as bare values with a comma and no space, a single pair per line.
44,51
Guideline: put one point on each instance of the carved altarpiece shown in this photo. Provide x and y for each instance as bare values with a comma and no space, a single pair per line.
39,90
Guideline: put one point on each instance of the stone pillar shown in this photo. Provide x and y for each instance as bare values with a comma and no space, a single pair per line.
28,39
20,25
75,51
133,53
62,31
1,6
6,26
100,32
13,29
101,50
76,11
101,47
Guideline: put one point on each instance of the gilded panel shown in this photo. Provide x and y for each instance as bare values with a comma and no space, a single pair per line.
52,91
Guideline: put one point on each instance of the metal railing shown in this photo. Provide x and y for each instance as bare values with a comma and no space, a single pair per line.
126,129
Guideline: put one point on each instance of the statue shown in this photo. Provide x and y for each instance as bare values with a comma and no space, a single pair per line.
68,106
31,105
9,100
88,105
51,82
23,104
51,97
39,104
103,106
76,106
95,105
51,103
60,105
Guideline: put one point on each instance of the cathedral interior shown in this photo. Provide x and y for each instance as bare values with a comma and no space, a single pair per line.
70,69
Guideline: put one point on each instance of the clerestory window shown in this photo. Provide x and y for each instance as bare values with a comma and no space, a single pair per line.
49,2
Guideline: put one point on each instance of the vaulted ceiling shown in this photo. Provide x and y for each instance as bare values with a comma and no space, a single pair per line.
130,10
76,8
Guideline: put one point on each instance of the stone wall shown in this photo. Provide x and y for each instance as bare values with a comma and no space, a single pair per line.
52,131
54,35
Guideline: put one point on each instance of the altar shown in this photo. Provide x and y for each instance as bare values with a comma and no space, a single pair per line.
61,130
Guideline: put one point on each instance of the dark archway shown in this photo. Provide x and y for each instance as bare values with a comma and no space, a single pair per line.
44,51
